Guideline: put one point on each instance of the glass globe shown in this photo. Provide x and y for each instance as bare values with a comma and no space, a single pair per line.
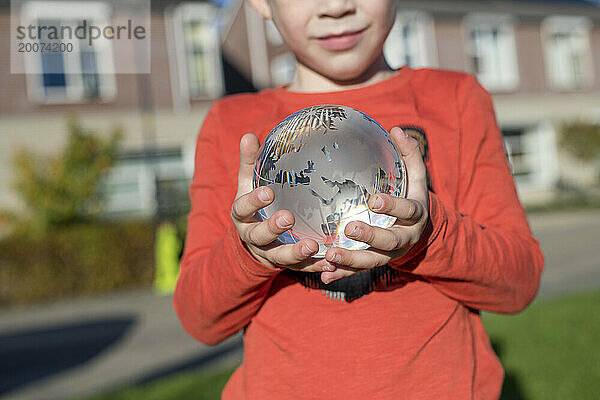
324,163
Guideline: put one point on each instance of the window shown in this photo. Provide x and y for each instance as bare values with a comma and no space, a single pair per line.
567,52
194,30
411,41
146,184
532,155
86,72
492,51
517,152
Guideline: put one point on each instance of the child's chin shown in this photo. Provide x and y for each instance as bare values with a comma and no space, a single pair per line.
349,70
346,75
336,71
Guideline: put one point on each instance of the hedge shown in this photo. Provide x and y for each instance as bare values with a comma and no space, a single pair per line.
78,259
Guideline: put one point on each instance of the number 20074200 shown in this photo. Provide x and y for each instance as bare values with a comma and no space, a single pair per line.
45,47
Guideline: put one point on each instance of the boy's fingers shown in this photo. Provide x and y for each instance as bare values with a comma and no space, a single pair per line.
297,256
312,265
263,233
407,211
376,237
410,151
246,205
328,277
249,146
357,259
413,160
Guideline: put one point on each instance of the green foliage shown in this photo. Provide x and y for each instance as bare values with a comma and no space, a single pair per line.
75,259
581,139
62,189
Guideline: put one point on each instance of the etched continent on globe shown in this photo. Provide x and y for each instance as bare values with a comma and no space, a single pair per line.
323,163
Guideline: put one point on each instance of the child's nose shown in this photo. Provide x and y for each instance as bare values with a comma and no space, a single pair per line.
336,8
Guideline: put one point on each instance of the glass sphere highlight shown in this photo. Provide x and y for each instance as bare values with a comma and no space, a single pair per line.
324,163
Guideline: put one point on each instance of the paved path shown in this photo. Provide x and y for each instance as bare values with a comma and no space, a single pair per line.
93,345
571,245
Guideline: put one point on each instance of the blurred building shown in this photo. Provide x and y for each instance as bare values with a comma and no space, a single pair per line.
540,60
160,112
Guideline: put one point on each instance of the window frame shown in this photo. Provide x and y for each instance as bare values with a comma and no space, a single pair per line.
425,42
33,11
566,23
505,23
539,155
177,17
131,186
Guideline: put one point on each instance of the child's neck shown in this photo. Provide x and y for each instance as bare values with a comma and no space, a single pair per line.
310,81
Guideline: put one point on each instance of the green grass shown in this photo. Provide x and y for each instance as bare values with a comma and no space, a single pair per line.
196,385
565,203
550,351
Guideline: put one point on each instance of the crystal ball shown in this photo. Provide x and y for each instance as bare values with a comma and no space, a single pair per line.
323,163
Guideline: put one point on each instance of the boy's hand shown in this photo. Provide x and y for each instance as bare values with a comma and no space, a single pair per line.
412,215
258,235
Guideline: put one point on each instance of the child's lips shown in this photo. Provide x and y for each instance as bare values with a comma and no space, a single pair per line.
341,42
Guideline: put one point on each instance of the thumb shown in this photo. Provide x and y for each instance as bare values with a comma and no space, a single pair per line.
249,146
413,160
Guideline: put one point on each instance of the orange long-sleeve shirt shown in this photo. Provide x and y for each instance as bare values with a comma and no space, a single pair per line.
419,337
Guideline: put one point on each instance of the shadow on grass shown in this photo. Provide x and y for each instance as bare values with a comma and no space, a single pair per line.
195,378
204,360
30,355
511,389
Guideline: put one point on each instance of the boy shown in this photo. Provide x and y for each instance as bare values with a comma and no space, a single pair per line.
409,327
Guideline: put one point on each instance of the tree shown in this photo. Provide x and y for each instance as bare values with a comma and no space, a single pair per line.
63,189
581,139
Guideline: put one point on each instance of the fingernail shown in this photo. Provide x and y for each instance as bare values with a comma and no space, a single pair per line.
328,268
283,222
378,203
355,232
306,250
264,195
335,258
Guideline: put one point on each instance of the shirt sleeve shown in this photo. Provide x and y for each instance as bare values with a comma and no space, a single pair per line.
480,252
221,285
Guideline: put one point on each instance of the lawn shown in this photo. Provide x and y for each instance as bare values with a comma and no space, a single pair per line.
550,351
194,384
